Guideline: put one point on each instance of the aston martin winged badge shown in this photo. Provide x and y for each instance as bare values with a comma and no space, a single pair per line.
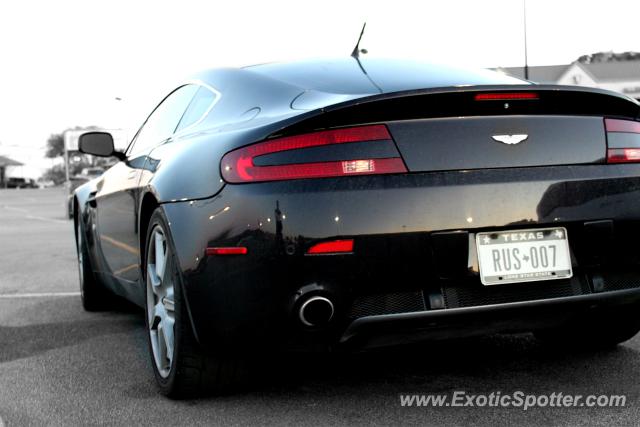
510,139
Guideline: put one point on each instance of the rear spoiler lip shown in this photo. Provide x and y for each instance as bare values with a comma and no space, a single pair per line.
296,124
481,88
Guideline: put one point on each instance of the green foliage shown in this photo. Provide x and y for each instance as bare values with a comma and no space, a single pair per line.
609,57
55,146
55,143
55,149
55,174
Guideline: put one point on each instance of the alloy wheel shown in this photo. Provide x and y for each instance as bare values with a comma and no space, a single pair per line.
160,301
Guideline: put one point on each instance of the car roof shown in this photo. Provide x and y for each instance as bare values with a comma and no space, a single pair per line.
363,76
261,95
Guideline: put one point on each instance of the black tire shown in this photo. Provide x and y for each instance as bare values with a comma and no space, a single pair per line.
598,330
93,294
193,371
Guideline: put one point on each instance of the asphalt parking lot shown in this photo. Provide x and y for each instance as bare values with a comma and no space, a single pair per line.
62,366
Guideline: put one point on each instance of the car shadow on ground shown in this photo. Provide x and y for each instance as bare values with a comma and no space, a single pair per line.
17,342
482,364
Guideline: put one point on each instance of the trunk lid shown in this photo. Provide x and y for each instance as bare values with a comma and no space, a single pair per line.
483,127
499,141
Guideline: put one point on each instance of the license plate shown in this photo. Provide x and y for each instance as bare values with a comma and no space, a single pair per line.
523,255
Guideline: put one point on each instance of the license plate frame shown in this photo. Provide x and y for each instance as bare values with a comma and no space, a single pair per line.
540,238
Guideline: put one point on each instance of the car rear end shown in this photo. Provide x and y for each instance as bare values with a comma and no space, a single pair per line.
420,215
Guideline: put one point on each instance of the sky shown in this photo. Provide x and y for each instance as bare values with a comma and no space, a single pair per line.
78,63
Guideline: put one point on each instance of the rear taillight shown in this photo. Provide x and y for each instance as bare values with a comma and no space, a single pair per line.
506,96
240,166
332,247
623,155
623,141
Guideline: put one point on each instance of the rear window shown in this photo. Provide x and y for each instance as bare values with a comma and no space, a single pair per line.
198,108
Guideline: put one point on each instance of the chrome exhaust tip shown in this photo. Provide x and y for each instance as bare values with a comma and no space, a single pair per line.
316,311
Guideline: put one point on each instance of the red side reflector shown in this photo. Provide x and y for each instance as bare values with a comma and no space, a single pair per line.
623,155
238,165
505,96
333,247
234,250
615,125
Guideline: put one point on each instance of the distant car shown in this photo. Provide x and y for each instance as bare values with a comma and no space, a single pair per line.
348,204
91,173
20,183
45,183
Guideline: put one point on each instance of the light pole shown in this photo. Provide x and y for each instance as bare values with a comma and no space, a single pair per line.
526,64
65,142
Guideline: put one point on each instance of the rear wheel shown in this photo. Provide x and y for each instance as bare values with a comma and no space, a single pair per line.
181,367
602,329
94,296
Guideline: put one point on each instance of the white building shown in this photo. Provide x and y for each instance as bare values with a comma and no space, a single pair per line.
8,169
618,76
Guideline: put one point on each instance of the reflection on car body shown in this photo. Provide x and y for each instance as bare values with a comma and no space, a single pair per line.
241,221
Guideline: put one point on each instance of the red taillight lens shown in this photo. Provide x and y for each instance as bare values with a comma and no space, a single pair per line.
624,126
506,96
238,166
623,141
333,247
623,155
232,250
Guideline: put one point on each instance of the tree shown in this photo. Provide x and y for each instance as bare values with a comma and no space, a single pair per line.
55,149
55,173
609,57
55,145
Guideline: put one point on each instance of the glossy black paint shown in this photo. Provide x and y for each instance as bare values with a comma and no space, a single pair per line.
370,76
378,331
403,226
392,219
467,143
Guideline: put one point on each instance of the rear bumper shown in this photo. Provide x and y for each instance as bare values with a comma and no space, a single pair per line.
413,238
383,330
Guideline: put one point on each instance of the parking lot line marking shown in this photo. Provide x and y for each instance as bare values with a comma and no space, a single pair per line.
11,208
40,295
125,269
39,218
119,244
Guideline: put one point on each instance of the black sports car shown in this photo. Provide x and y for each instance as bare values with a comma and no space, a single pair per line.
356,203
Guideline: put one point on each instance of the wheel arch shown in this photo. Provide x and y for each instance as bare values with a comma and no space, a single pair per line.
75,216
148,205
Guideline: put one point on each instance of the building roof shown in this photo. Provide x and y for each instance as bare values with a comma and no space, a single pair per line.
600,71
538,74
615,70
5,161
